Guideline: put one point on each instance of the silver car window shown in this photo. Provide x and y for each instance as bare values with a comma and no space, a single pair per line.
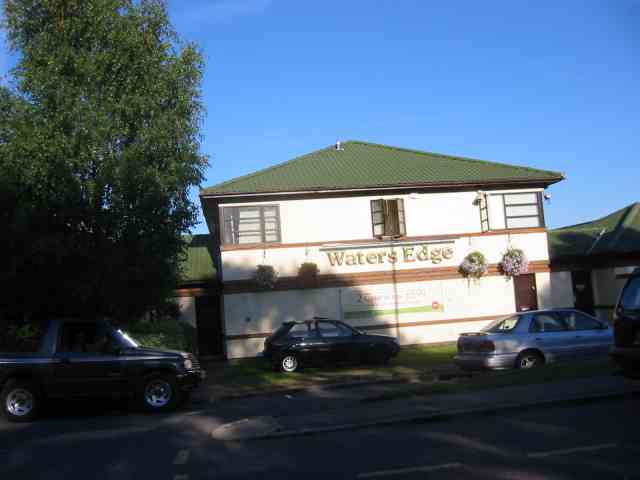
547,322
580,321
502,325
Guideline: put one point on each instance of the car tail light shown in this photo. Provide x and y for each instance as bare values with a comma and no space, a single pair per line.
486,346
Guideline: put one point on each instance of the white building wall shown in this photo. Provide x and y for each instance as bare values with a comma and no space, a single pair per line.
251,313
606,288
561,287
241,264
323,222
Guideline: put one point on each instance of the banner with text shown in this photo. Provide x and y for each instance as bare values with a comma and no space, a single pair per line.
389,301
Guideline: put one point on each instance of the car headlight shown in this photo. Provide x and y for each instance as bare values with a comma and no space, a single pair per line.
188,364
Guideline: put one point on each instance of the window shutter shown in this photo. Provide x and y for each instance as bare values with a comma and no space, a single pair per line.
377,218
402,225
228,225
391,220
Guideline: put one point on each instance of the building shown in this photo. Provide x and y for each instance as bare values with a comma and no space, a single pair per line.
591,261
387,228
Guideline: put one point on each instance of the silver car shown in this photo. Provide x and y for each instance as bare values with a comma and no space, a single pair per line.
530,339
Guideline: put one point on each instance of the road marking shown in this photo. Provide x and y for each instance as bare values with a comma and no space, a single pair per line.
181,476
400,471
567,451
182,457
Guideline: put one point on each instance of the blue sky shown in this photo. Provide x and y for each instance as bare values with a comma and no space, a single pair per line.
546,84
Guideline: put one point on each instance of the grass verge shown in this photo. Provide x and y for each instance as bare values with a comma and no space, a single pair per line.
414,363
507,378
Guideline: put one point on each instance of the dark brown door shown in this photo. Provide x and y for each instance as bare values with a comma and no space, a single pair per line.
583,291
209,325
526,292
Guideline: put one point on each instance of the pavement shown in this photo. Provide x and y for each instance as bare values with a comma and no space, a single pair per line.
599,439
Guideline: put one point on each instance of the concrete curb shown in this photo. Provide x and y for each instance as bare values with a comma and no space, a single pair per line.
444,415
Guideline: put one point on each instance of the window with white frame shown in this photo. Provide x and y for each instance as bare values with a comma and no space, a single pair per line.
523,210
251,224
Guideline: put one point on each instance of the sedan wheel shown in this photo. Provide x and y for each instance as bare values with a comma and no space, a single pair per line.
528,360
289,363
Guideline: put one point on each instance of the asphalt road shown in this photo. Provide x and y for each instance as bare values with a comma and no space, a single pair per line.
596,440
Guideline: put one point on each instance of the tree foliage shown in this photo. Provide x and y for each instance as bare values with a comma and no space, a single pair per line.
99,145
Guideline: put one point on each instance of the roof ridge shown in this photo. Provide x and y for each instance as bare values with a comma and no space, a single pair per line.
267,169
376,145
590,225
452,157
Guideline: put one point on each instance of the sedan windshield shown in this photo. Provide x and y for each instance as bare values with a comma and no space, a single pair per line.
502,325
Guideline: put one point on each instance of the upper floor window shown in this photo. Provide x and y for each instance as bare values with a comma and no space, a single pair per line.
522,210
255,224
387,218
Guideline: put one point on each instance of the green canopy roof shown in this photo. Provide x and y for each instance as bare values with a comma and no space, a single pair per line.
197,265
617,233
368,165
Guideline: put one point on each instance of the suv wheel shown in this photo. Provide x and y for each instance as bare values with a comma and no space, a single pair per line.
158,393
20,401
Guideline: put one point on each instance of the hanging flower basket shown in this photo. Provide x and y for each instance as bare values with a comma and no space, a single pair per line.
308,274
265,276
474,265
514,262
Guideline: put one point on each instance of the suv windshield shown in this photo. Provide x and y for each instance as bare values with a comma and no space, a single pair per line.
126,340
630,299
502,325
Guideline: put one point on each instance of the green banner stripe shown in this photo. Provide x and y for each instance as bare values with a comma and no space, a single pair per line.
392,311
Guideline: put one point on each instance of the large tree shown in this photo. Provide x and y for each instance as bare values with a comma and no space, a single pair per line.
99,146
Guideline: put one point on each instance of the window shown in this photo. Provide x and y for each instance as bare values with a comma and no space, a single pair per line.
300,330
21,336
545,322
256,224
523,210
387,218
330,329
580,321
502,325
631,295
85,338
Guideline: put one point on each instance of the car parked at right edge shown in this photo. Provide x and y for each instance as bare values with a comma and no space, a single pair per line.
530,339
626,327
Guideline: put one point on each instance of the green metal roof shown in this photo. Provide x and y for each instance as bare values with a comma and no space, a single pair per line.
617,233
197,265
369,165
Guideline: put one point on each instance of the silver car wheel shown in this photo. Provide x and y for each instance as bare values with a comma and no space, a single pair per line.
158,393
289,363
20,402
528,361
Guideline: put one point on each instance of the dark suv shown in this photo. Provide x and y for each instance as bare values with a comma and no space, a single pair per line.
46,359
626,326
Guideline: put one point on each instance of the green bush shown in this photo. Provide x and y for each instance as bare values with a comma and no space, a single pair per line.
166,333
